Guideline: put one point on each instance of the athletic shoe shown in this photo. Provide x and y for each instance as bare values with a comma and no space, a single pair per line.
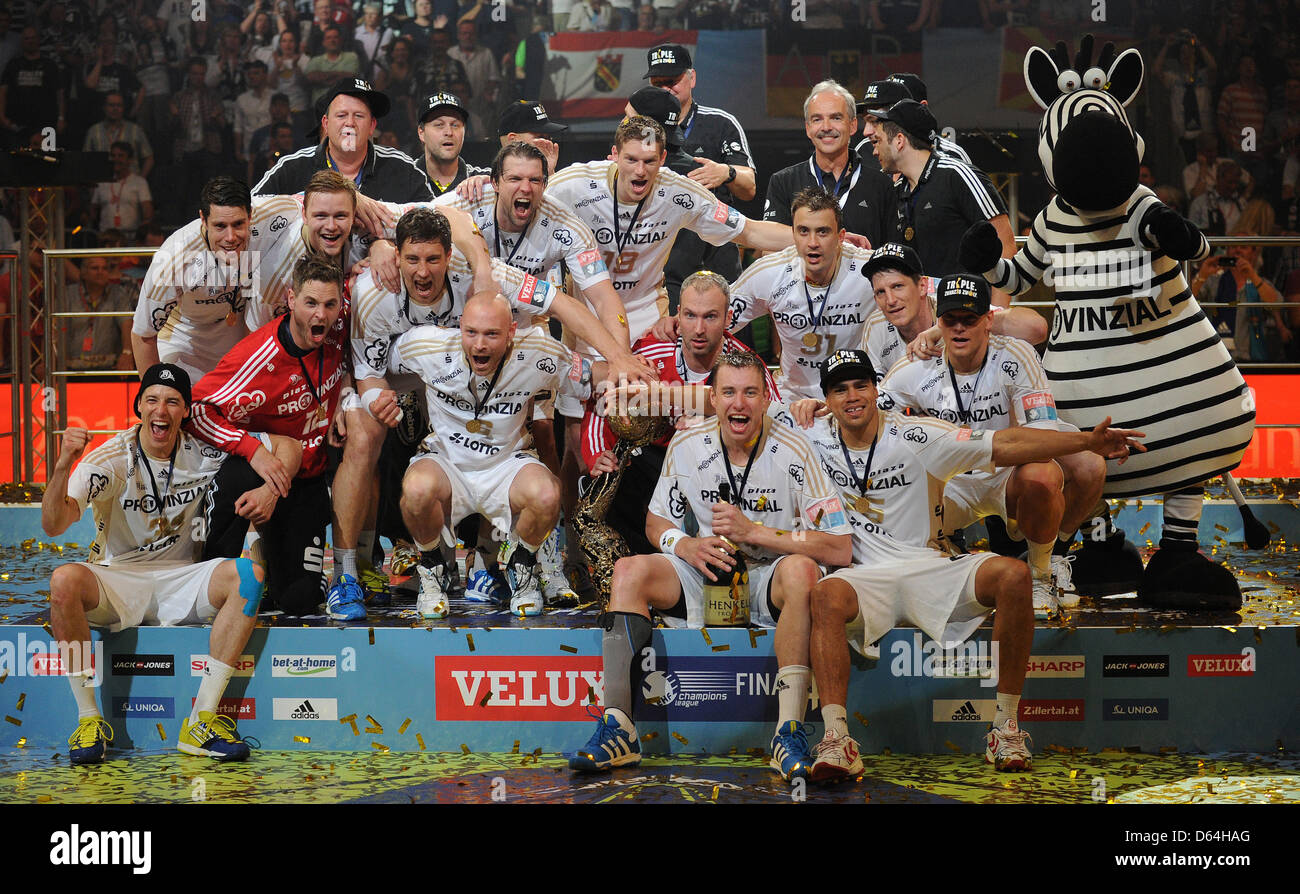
89,740
374,582
452,585
611,745
555,584
432,601
487,586
345,600
524,578
836,758
790,755
1005,748
1045,605
214,735
404,559
1063,580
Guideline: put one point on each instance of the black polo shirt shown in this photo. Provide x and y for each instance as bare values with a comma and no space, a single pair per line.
865,194
463,170
388,175
949,196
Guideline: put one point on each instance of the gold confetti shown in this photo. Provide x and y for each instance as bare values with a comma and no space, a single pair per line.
21,700
955,749
464,748
1223,528
487,696
704,633
420,740
402,729
22,743
1074,774
162,733
375,728
714,796
14,720
302,740
44,799
469,638
648,736
591,693
4,676
722,648
1229,629
515,749
383,749
862,720
372,636
1142,530
753,640
573,650
1139,505
348,719
680,738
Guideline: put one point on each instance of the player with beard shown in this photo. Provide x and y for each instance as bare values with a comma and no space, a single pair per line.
442,135
786,518
891,470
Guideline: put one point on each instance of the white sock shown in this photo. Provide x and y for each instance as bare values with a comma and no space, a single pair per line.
531,547
1008,706
366,547
791,693
84,694
1040,558
428,547
836,719
215,678
345,562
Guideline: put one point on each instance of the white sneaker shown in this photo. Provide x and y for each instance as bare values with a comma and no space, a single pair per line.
524,578
554,582
432,601
836,757
1005,748
1045,604
1063,579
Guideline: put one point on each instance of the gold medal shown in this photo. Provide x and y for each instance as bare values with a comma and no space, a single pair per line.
862,504
473,426
230,318
909,233
810,339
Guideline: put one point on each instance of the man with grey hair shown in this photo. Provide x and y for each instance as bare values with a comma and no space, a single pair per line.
864,194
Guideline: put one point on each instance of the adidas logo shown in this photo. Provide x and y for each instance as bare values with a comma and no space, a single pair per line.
966,712
863,204
928,206
306,712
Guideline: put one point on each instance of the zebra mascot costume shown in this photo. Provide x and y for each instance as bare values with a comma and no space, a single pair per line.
1128,338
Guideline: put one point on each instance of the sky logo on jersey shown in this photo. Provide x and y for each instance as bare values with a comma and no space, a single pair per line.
1039,407
827,513
143,706
243,665
590,263
711,689
304,665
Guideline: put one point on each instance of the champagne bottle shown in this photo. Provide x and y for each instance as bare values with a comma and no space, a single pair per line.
726,600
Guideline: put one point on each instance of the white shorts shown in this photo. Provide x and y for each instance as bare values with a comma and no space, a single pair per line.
974,495
936,594
486,493
163,594
691,581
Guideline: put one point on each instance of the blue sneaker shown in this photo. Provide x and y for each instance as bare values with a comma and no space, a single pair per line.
485,586
611,745
790,755
89,741
212,735
345,600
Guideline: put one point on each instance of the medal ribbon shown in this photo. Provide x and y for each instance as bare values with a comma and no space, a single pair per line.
739,490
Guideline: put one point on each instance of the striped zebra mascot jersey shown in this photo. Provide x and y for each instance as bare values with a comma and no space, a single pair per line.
1128,339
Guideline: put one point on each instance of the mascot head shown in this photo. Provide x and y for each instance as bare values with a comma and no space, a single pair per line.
1089,150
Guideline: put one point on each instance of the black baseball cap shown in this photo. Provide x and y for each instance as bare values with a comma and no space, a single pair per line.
667,60
913,118
168,374
844,365
361,89
882,95
962,291
913,83
441,103
527,116
662,106
893,256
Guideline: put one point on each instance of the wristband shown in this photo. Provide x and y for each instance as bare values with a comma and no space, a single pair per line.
668,539
367,400
348,400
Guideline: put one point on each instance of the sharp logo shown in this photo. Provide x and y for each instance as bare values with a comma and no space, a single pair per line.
1056,666
1135,666
304,665
305,709
243,665
956,710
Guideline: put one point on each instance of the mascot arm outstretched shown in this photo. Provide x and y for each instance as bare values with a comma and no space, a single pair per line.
1162,229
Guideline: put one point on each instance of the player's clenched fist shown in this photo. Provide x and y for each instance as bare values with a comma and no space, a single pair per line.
75,441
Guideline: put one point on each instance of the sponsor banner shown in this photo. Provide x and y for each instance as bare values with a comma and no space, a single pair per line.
47,664
238,708
1135,666
1055,666
1230,665
131,665
711,688
490,687
599,69
304,665
1135,709
243,666
305,709
1048,710
968,710
143,706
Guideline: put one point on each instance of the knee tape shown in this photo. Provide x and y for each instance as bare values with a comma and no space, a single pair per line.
250,588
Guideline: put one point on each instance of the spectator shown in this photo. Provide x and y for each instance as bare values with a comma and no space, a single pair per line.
484,77
333,63
173,18
645,17
419,27
396,78
225,73
559,18
1243,109
623,15
373,38
26,88
439,71
1217,209
113,129
11,42
155,59
259,142
1200,175
1189,84
125,203
259,29
196,108
311,34
287,74
106,76
94,342
589,15
252,108
530,62
1283,136
279,143
1251,335
200,39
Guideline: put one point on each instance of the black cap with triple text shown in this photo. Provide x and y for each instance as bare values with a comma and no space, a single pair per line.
361,89
527,116
962,291
442,103
667,60
882,95
844,365
912,118
893,256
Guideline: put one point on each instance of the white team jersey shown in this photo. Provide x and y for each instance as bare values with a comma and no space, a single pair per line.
1010,389
535,363
129,525
556,234
775,285
786,489
379,316
195,305
914,457
636,266
883,343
